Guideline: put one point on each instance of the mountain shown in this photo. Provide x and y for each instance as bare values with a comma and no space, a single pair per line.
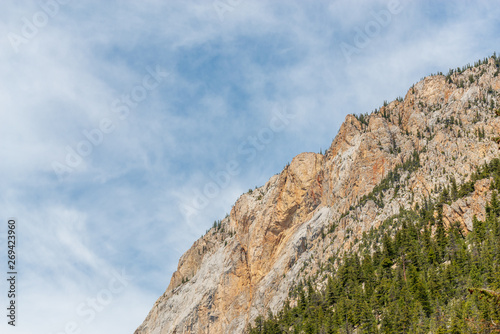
321,209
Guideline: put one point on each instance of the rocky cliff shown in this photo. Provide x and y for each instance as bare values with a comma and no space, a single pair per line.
320,205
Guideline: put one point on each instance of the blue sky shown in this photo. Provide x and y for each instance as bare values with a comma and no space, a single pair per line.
187,105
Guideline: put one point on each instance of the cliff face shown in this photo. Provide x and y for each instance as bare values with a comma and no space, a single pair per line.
312,210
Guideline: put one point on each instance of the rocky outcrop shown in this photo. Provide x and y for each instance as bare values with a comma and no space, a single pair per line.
465,209
312,210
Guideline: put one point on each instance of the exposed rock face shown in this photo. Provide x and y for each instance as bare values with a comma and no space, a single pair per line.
278,232
463,210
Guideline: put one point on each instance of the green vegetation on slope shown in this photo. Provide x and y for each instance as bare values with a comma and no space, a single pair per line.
419,279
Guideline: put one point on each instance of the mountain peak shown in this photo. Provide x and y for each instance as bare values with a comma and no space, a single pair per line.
319,206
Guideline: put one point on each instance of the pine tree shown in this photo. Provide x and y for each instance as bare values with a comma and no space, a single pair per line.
454,189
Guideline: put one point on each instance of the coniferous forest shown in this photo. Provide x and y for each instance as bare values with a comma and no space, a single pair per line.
410,275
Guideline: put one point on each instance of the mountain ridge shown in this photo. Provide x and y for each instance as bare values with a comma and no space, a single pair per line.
320,204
